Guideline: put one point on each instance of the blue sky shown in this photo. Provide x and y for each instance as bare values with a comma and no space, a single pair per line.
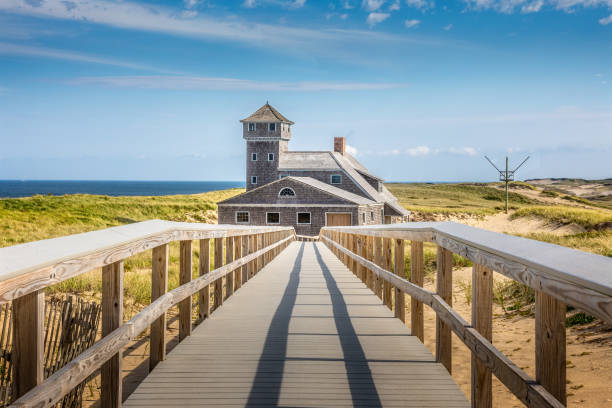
421,89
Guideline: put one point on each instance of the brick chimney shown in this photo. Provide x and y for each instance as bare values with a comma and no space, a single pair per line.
340,145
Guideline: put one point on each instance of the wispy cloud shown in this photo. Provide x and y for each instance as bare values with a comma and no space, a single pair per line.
375,18
419,151
533,6
42,52
420,4
352,151
467,151
226,84
606,20
448,27
372,5
412,23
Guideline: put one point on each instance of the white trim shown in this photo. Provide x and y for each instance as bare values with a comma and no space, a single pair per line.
338,212
253,154
331,178
286,188
242,222
272,159
273,212
265,138
274,205
253,177
303,223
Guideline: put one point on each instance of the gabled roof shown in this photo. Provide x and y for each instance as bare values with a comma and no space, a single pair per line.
309,181
307,161
267,113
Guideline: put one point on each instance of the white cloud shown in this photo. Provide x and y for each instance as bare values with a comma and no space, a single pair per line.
532,7
606,20
226,84
448,27
468,151
372,5
418,151
375,18
28,51
395,6
352,150
419,4
347,5
191,3
249,3
412,23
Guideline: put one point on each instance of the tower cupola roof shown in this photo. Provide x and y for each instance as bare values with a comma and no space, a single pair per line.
266,114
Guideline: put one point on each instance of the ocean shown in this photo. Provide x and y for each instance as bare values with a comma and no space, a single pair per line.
26,188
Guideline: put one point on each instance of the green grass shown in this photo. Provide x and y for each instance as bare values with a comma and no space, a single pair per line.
587,218
467,198
598,242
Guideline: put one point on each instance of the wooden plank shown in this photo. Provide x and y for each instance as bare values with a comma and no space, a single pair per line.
550,345
387,257
244,276
185,276
229,258
112,318
400,297
359,250
159,287
370,257
218,290
252,249
204,268
444,288
28,329
238,255
378,256
417,320
482,321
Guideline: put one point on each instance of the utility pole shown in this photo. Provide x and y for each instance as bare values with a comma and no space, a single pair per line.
507,175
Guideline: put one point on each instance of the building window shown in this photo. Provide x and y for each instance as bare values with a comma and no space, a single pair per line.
336,179
253,156
303,218
282,176
363,217
286,192
272,218
242,217
272,127
253,179
372,215
270,156
251,127
382,216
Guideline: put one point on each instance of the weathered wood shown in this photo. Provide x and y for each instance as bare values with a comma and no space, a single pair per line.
237,255
112,318
550,345
482,321
252,249
28,331
387,256
400,298
204,268
229,258
185,276
218,289
64,380
359,249
378,256
417,321
159,287
444,288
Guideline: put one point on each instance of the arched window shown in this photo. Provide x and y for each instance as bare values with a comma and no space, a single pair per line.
286,192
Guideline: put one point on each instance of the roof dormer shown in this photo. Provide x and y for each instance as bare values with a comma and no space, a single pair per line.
266,123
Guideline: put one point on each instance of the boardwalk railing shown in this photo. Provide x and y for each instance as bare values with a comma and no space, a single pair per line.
27,269
560,277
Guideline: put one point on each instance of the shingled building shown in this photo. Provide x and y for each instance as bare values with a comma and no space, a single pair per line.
308,189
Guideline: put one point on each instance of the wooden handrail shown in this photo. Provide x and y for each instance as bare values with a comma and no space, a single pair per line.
59,384
29,267
559,276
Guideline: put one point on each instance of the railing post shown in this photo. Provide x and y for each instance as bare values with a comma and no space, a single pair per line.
218,290
237,255
416,276
400,297
550,345
159,287
482,315
359,251
444,288
378,256
253,263
185,276
244,274
260,257
370,257
112,318
387,266
204,266
229,258
28,329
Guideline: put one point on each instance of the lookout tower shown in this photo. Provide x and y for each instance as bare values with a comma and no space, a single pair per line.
267,135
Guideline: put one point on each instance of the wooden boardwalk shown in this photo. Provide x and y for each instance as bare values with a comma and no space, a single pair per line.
304,332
